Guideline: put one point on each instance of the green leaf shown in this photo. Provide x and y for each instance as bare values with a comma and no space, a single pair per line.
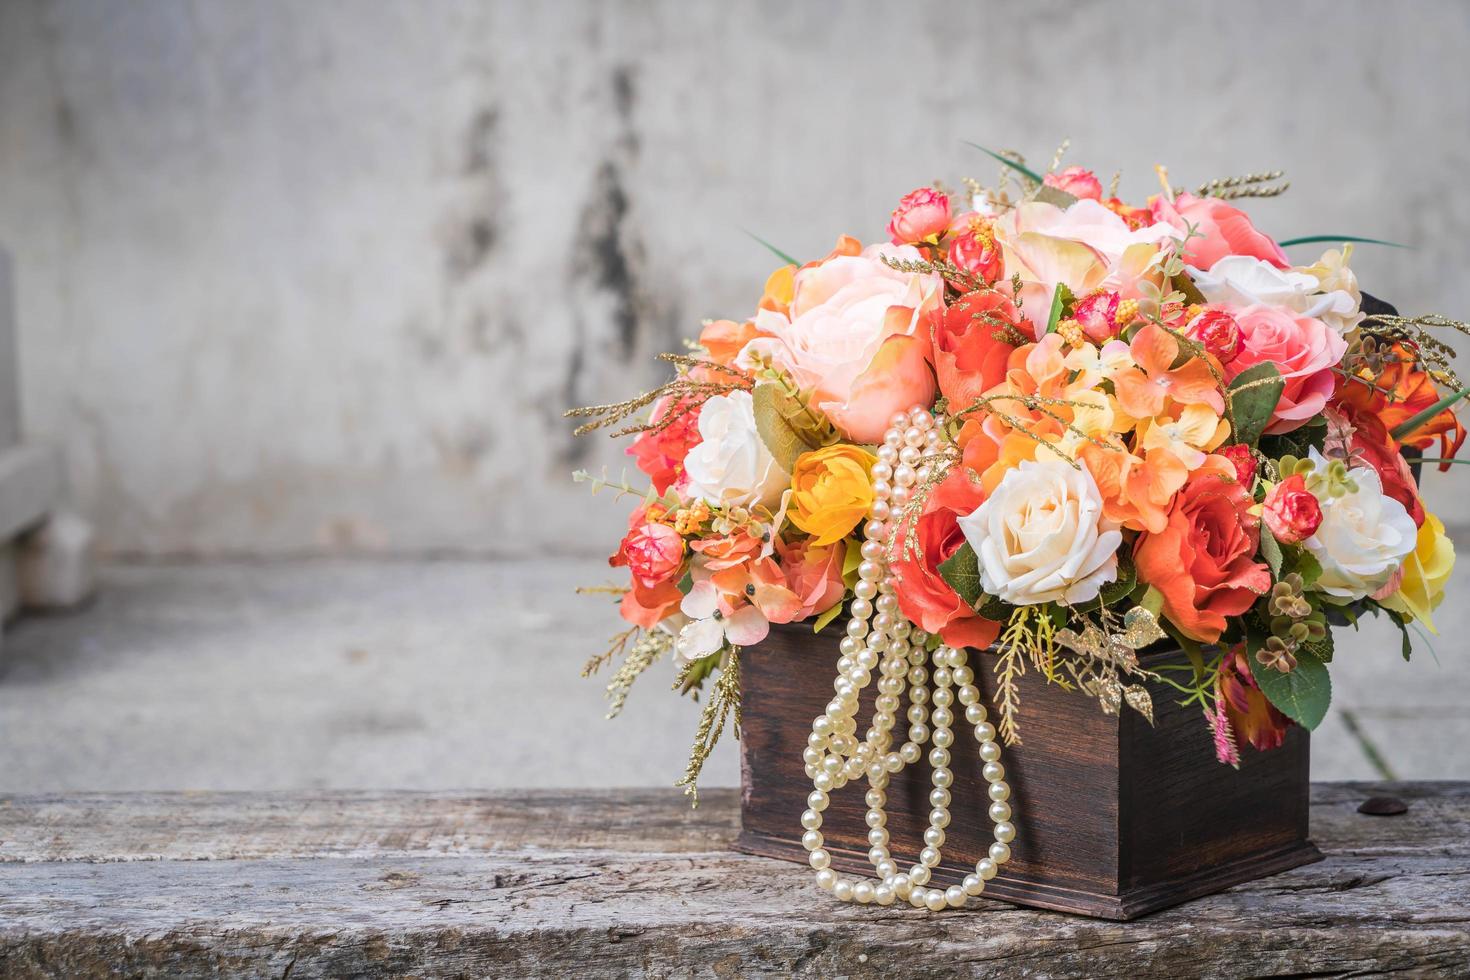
686,584
1253,397
1415,421
776,415
1030,175
961,572
1298,442
1117,590
1060,297
1054,196
1302,695
1311,239
1271,550
827,617
1186,286
852,557
774,250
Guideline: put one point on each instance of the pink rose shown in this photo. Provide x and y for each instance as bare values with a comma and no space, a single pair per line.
1077,181
652,553
1291,511
973,248
921,216
1220,230
857,338
814,574
1219,332
1304,350
1097,314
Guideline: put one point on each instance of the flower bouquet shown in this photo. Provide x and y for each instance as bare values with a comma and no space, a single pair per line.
1044,441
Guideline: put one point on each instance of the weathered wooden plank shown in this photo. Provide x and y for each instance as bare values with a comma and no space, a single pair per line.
382,884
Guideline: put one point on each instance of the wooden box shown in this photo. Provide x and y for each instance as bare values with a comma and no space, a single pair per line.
1115,818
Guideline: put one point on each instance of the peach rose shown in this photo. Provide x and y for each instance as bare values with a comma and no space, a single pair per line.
921,216
970,346
1203,561
857,338
923,596
1221,230
814,574
1304,350
1077,181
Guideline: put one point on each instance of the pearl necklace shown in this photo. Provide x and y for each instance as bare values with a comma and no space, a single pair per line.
879,636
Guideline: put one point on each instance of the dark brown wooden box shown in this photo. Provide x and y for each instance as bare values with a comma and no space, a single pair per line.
1114,818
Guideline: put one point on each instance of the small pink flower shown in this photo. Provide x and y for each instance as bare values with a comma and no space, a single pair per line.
1077,181
1291,511
973,248
921,216
1219,332
1244,463
1097,314
652,553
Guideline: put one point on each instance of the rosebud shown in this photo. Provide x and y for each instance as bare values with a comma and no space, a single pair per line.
1291,511
921,216
652,552
1097,315
1244,462
1078,181
974,249
1219,332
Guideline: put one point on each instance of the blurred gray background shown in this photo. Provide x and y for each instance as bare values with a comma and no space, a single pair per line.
303,290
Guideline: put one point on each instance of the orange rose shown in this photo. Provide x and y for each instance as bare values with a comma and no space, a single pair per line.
970,345
1203,561
923,596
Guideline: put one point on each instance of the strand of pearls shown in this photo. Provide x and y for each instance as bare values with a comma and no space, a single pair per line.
878,636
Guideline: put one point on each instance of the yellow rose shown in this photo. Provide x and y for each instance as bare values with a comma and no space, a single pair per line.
832,491
1426,571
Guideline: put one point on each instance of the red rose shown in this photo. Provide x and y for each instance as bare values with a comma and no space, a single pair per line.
1245,463
921,216
1203,561
1219,332
654,553
1292,512
973,248
923,596
970,345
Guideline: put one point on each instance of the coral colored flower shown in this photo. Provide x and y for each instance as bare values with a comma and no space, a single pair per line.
1291,511
1425,572
1220,230
724,339
652,552
1041,536
779,286
973,248
813,574
1399,392
923,596
1244,461
1219,332
1097,315
832,491
1138,488
730,550
1203,561
922,216
660,454
857,338
972,345
1304,350
1252,717
1144,393
647,607
1077,181
1372,444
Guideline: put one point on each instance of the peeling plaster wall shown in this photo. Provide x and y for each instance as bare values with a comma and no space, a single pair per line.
321,277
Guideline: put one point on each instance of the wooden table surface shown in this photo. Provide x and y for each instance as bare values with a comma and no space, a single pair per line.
634,882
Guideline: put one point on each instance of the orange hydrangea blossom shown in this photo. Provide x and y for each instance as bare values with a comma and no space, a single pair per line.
1145,391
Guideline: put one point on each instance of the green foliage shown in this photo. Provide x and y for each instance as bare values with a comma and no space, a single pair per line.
1271,550
774,250
827,617
1298,442
786,426
961,572
1253,397
1303,694
1061,298
1019,168
1414,422
1338,239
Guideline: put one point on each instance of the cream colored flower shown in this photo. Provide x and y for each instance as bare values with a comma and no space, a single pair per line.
1328,293
1041,535
1363,538
731,466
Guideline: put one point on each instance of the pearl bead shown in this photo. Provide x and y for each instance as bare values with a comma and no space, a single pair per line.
904,476
819,859
942,677
993,772
929,857
919,733
938,758
914,436
811,840
811,819
903,886
811,756
1005,831
1000,811
973,885
943,697
963,676
862,893
933,837
944,738
910,753
975,714
901,495
880,511
867,570
934,900
843,890
939,816
984,732
1000,791
882,470
989,751
863,590
986,869
885,868
954,896
917,896
883,895
1000,852
876,818
919,874
942,777
826,878
899,420
939,796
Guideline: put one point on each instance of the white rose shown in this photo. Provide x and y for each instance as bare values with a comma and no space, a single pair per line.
1363,539
1041,536
1243,280
731,466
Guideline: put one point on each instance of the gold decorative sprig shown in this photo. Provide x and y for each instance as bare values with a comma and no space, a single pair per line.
615,647
645,652
723,699
1435,354
963,281
688,395
1246,185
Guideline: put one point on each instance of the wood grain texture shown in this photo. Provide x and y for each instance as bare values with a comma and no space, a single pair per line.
1115,817
517,884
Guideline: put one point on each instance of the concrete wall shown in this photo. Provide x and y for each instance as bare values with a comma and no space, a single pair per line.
300,277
